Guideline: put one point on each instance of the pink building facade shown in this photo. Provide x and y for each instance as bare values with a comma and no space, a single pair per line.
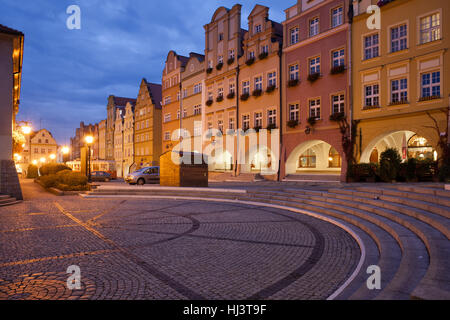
316,98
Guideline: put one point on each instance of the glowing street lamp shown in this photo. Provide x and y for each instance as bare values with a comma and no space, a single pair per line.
65,150
34,162
26,129
89,140
52,156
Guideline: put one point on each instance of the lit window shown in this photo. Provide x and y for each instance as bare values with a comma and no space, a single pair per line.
430,28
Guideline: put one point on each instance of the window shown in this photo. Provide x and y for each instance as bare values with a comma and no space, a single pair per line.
258,28
399,90
232,88
185,93
314,27
245,87
245,122
293,112
210,64
337,15
46,140
430,28
42,150
372,95
220,59
272,79
334,159
399,38
138,125
314,108
210,95
258,119
231,122
185,114
293,35
197,110
293,72
167,100
251,55
231,54
258,83
197,128
371,46
272,117
314,65
178,96
197,88
338,103
307,159
338,58
220,92
167,118
265,49
39,140
220,125
220,36
431,84
178,114
167,135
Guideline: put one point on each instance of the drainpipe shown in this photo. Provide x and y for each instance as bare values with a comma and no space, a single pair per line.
350,78
237,117
280,90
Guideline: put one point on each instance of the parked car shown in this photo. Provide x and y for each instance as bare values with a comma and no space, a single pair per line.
100,176
143,176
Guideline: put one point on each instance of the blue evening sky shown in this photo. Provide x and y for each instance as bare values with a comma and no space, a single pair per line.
68,74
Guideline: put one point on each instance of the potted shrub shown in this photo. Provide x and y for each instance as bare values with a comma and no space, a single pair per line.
230,61
219,66
271,88
219,98
293,82
292,123
337,69
250,61
245,96
271,126
257,92
231,95
313,77
263,55
338,116
209,102
312,120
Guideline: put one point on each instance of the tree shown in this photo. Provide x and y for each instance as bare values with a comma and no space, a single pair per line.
390,161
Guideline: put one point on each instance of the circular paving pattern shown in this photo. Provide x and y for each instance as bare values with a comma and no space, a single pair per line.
168,249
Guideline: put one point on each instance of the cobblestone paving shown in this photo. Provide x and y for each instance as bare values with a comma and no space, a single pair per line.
166,249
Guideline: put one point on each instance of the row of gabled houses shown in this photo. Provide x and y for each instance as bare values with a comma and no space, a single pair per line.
300,97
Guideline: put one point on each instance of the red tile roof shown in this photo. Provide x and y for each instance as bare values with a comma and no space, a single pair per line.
122,102
5,29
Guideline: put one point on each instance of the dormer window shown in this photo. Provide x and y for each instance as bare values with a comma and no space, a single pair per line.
258,28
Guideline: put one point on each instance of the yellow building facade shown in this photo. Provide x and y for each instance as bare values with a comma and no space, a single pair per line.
400,78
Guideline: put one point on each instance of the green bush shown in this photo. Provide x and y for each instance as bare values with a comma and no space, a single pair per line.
32,172
390,161
52,168
444,173
411,167
363,172
65,180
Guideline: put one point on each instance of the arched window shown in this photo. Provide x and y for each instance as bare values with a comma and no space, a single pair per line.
420,149
334,159
307,159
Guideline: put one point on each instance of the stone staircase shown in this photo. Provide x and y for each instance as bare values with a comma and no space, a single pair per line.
229,177
405,229
313,178
6,200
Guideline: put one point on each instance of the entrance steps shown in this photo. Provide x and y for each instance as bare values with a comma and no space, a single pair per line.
312,177
6,200
404,228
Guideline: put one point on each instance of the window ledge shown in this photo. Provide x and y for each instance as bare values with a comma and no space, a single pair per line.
371,107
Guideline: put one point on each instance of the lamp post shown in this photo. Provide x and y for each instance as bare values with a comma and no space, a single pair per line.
65,151
89,140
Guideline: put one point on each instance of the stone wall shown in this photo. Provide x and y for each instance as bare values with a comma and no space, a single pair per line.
9,180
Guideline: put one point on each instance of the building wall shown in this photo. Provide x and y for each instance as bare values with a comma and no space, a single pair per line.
377,122
102,140
147,125
6,99
118,142
323,44
43,145
128,138
110,122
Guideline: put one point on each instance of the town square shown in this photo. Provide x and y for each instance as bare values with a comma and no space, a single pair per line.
222,151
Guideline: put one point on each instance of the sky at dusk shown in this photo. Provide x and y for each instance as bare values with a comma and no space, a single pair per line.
68,74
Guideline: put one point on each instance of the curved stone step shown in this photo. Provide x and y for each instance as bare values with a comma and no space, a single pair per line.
388,248
414,260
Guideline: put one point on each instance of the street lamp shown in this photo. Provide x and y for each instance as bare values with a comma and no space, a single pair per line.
42,160
52,156
89,140
26,129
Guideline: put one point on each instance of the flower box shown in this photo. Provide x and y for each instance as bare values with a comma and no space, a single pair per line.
231,95
219,98
293,82
337,69
271,88
209,102
312,120
313,77
337,116
263,55
209,70
230,61
257,92
271,126
219,66
245,96
250,61
292,123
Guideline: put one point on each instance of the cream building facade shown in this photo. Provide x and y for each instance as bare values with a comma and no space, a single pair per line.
128,139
